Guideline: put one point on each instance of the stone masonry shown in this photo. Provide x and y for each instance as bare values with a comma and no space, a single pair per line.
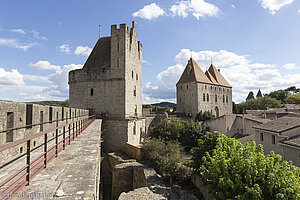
110,86
198,91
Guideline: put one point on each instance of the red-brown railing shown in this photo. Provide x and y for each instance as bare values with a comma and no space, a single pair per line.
14,183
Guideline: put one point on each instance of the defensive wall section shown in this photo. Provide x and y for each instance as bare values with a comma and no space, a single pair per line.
20,120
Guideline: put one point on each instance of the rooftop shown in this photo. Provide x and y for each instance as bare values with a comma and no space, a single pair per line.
280,125
248,138
193,72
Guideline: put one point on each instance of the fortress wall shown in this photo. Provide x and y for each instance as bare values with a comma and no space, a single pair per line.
13,115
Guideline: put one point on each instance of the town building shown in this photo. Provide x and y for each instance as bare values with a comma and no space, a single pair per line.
198,91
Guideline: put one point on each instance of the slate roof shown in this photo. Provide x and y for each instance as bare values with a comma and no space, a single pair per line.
280,125
193,72
100,55
248,138
250,96
294,141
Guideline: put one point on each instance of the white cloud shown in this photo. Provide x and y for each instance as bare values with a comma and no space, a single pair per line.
15,44
38,35
65,48
198,8
242,73
290,66
20,31
8,78
44,65
298,11
149,12
35,78
36,97
274,5
83,50
232,5
59,81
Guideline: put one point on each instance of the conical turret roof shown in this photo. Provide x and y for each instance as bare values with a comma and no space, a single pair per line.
259,94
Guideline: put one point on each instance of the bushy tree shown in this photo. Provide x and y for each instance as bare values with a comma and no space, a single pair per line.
168,158
280,95
182,131
65,103
294,99
261,103
203,116
236,171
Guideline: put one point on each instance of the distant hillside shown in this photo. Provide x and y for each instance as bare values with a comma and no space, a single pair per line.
47,103
164,104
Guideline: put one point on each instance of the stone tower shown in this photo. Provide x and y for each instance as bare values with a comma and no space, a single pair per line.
198,91
110,86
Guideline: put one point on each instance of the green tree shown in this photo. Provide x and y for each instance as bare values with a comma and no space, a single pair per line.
259,104
241,171
234,108
294,99
65,103
203,116
279,95
292,89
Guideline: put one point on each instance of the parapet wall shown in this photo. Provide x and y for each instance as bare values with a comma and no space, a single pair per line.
14,115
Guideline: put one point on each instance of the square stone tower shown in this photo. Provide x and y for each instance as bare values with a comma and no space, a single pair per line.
110,86
207,91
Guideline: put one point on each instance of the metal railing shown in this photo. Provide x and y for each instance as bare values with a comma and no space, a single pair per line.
15,182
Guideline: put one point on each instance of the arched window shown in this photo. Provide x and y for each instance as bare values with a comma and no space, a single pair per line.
207,97
226,99
216,98
187,87
132,74
92,91
203,96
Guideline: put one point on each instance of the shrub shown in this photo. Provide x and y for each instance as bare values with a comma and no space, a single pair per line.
167,157
182,131
203,116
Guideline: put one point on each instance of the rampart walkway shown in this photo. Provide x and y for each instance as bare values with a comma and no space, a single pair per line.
74,174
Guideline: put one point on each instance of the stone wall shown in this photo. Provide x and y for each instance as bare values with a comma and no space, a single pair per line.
190,99
21,116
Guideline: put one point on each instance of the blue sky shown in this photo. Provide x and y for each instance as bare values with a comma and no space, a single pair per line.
254,43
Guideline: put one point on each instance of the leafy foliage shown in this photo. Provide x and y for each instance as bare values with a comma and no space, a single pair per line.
65,103
203,116
182,131
261,103
294,99
168,158
280,95
236,171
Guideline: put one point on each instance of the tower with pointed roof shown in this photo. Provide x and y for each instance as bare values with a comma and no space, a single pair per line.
110,86
198,91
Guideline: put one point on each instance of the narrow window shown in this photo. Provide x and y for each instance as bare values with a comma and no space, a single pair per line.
62,113
50,114
211,87
137,77
205,87
223,99
132,74
28,115
118,46
203,96
134,128
34,143
226,99
135,110
187,87
207,97
21,149
273,139
216,98
134,91
92,91
41,121
180,99
181,87
118,62
9,125
56,119
262,137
